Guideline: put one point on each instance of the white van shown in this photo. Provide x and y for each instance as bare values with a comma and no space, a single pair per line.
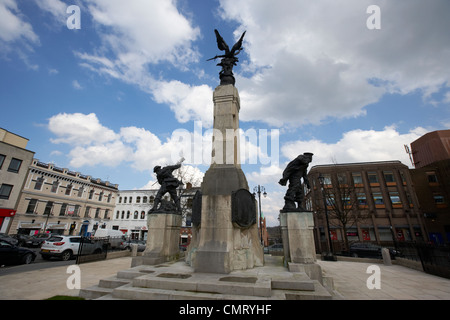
116,237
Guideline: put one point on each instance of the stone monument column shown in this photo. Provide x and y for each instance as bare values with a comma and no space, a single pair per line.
223,245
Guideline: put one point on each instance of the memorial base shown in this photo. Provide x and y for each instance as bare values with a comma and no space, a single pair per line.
162,241
220,246
298,243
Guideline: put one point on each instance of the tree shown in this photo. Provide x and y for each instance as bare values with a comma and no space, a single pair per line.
345,203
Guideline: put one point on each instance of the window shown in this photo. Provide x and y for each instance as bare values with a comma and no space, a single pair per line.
80,192
330,200
120,199
123,215
109,198
31,206
106,213
100,196
142,214
357,178
117,214
138,199
395,198
14,165
48,208
346,200
389,176
2,159
432,178
86,213
402,175
362,201
39,183
97,213
342,178
378,198
128,214
68,189
438,198
5,191
144,200
372,177
55,186
136,215
326,179
62,212
91,194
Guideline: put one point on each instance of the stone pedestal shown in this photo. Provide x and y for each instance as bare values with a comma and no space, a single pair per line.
222,246
162,241
298,237
298,243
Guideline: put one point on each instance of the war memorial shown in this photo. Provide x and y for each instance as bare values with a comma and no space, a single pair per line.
225,259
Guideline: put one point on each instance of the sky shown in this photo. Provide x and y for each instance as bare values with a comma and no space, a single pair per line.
108,87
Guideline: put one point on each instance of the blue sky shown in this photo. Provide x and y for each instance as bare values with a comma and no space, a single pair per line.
107,98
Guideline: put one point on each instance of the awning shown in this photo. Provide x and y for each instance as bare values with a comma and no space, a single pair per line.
7,213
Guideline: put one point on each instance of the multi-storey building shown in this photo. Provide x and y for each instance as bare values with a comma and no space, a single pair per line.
431,177
431,147
432,185
61,201
380,194
132,207
14,163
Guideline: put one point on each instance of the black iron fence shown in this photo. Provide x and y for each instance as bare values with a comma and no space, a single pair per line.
93,249
435,259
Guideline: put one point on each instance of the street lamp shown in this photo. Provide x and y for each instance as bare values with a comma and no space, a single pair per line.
258,190
330,255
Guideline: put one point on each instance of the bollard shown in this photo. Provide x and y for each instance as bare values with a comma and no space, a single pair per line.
134,249
386,256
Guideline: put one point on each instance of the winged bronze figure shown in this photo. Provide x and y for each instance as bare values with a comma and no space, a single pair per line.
229,59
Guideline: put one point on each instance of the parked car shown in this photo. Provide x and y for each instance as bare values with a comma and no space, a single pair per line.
126,245
8,238
115,237
21,239
37,240
67,247
12,254
369,250
275,248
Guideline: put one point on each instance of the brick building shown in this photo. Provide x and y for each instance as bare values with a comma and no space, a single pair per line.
380,193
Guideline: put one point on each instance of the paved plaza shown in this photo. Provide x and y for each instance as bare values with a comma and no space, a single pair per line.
350,281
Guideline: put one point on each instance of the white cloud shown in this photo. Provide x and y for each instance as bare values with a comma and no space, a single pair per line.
79,129
357,146
13,25
93,144
138,35
76,85
322,61
56,7
187,102
153,30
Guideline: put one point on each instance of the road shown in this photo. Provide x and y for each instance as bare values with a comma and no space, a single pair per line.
38,263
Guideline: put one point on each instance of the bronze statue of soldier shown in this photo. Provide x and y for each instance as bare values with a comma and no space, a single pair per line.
169,184
294,172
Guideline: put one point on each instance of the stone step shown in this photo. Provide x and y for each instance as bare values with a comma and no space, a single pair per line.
113,282
128,292
94,292
220,284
